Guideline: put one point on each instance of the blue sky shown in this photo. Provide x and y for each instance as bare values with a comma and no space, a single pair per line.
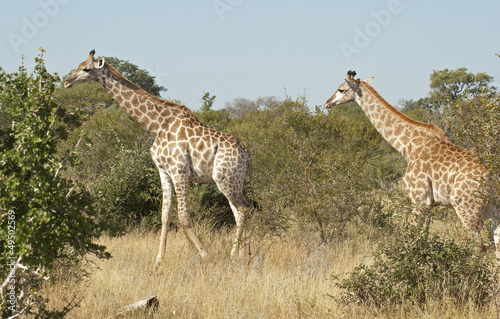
256,48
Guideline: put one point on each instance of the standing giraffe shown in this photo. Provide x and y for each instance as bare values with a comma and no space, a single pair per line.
439,173
184,150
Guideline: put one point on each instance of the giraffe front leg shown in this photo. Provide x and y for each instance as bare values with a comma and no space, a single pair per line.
420,193
166,214
422,212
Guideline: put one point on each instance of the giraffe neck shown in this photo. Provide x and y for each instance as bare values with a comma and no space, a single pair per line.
395,127
139,104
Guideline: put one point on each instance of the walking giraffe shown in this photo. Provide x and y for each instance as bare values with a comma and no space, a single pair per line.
184,150
439,173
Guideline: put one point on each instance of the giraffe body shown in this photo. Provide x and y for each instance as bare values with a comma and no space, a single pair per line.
438,172
184,150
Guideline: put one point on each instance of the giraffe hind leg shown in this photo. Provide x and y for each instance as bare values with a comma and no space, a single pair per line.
232,188
240,212
181,190
473,212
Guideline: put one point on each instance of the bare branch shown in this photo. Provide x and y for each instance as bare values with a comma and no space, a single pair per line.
8,277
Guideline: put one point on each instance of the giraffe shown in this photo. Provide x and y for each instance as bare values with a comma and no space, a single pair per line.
438,172
184,150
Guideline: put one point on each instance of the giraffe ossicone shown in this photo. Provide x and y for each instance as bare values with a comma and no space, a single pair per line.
184,150
438,172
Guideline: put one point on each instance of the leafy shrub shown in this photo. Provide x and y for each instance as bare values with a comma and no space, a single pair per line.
45,219
315,171
420,267
115,166
130,192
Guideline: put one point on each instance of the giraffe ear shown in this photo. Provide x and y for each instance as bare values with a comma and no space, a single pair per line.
355,87
369,81
100,63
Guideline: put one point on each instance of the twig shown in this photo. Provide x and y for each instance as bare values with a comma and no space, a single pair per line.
308,192
257,244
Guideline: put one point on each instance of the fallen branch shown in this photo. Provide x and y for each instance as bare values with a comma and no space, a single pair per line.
150,304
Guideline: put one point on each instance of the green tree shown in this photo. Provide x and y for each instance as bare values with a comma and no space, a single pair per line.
46,220
448,86
417,110
217,119
208,102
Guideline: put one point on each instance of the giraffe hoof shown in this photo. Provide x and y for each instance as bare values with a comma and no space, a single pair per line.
157,266
205,256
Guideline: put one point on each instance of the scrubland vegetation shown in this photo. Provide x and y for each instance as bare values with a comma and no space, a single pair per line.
289,278
330,237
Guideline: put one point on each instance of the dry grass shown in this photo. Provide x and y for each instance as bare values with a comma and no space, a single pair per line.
288,278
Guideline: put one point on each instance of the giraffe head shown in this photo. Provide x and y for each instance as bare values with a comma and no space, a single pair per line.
347,92
87,71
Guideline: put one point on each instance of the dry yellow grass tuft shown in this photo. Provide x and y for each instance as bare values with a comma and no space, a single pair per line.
288,278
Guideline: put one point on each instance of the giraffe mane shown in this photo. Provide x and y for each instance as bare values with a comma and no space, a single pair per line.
429,126
140,91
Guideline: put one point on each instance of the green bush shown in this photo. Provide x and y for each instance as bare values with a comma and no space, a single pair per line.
46,220
315,171
420,267
115,167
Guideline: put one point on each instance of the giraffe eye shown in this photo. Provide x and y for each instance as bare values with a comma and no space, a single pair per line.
341,91
86,70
